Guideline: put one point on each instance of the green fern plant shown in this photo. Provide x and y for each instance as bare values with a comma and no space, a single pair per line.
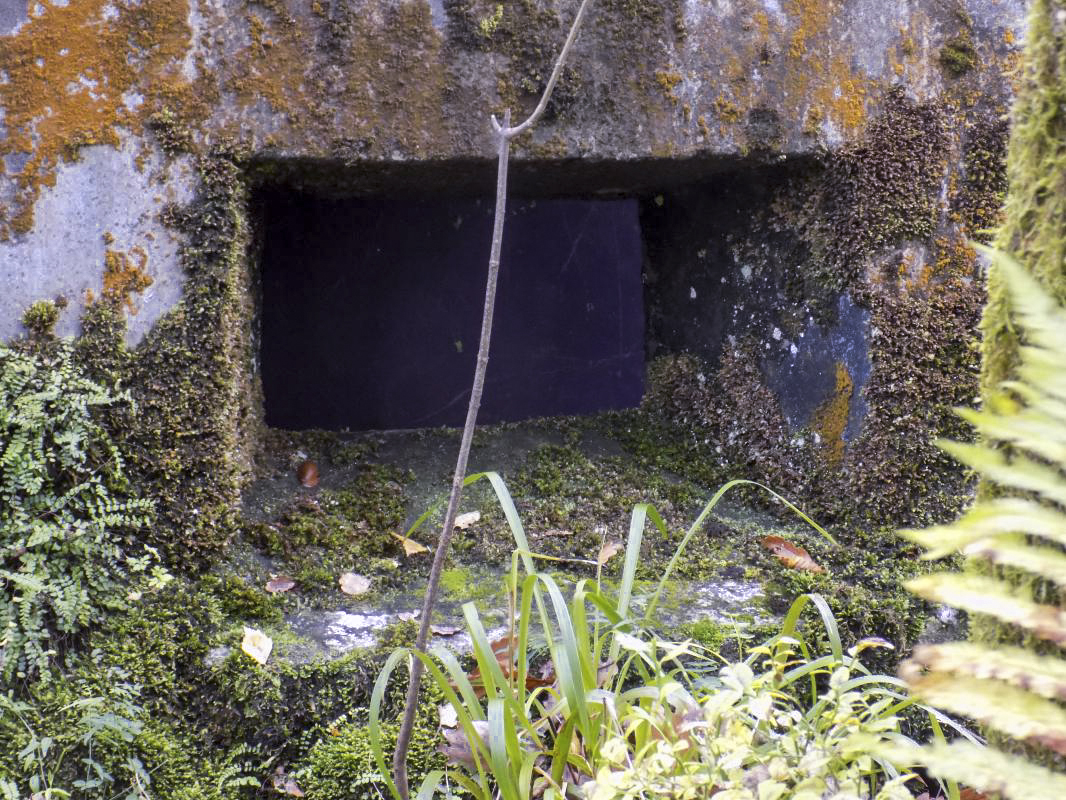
67,516
1021,534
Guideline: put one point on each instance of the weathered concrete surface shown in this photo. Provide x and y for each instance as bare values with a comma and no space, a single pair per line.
875,128
104,203
12,14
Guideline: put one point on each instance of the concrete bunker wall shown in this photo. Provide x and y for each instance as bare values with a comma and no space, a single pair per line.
806,175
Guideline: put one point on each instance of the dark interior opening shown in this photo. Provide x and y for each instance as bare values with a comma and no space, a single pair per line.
371,308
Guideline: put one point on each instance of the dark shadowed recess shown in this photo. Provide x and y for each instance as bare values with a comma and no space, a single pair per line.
373,282
371,310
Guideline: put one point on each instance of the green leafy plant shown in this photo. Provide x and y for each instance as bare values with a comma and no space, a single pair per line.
43,762
67,516
595,701
757,733
1015,542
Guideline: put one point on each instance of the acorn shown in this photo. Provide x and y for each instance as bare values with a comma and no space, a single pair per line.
307,474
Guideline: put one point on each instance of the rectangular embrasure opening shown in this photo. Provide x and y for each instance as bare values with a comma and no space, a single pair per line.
371,308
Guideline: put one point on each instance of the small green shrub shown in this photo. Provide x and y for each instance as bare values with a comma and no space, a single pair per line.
41,318
614,713
343,766
752,738
67,514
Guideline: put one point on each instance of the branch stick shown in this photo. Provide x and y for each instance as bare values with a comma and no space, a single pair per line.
403,738
504,134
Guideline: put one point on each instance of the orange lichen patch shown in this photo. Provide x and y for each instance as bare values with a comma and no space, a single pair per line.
124,276
66,78
831,418
668,80
726,110
366,75
814,17
806,70
818,72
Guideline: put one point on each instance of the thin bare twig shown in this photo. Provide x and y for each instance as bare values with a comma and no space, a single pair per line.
504,134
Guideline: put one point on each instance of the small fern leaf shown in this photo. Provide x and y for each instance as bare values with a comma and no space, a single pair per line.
1043,675
1015,712
1047,562
981,768
1042,317
1020,473
33,585
979,595
1031,430
1007,515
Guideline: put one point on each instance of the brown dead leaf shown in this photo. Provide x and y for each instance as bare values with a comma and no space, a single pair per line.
307,474
353,584
410,546
503,649
281,583
791,555
608,551
444,630
286,784
457,748
464,521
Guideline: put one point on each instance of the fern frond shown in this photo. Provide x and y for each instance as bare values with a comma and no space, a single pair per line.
980,595
981,768
1003,516
1020,473
1045,562
1042,675
1016,712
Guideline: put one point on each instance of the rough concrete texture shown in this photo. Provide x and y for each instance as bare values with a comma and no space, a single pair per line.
875,129
103,203
12,14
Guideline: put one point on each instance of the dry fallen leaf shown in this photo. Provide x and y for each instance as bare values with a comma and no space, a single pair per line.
456,747
464,521
791,555
410,546
307,474
444,630
449,717
503,649
353,584
556,532
607,551
282,583
286,784
257,644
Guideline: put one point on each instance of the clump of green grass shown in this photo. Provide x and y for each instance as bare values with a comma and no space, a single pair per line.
616,712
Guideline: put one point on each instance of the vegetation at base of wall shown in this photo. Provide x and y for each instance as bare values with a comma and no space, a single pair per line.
616,712
69,519
1016,541
162,695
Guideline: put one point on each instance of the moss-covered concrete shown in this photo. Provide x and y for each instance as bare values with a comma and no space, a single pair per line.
859,157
